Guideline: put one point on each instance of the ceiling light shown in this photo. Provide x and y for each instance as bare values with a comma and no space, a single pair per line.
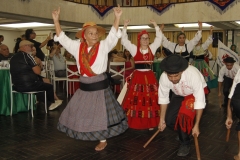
238,22
191,25
137,27
25,25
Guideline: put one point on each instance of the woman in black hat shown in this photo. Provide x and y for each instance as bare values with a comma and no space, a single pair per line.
226,75
188,98
181,48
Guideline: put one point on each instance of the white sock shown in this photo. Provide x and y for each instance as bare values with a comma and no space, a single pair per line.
103,140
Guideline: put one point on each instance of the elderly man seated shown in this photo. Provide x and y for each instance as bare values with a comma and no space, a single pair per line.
4,52
26,75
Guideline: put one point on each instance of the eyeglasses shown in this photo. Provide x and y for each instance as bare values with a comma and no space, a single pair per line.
144,38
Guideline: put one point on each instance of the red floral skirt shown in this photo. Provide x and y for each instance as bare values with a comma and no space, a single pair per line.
141,101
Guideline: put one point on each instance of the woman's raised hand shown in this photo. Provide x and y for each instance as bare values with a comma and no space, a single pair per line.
153,22
55,14
117,11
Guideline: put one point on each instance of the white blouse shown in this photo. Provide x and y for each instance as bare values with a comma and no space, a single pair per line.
204,46
106,45
190,45
228,73
191,82
133,48
235,82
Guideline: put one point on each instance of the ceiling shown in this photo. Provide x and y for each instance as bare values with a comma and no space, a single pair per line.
74,27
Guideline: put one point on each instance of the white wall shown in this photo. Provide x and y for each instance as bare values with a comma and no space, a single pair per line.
9,37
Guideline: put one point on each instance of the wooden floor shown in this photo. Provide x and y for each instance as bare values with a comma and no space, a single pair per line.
24,137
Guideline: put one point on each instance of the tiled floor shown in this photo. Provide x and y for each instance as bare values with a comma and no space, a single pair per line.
24,137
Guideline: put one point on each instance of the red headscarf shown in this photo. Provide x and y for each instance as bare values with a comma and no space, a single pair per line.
140,35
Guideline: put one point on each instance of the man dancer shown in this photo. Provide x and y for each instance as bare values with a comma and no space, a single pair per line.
234,102
188,98
226,75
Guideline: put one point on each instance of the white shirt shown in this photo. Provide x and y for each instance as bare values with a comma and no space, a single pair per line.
236,80
191,82
190,45
59,62
204,46
132,48
106,45
228,73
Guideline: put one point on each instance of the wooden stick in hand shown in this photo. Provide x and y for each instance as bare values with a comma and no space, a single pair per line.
145,145
197,147
228,133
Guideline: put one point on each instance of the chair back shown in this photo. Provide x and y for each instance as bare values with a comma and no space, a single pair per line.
71,70
120,70
51,70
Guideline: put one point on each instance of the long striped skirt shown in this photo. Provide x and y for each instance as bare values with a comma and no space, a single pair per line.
93,115
141,101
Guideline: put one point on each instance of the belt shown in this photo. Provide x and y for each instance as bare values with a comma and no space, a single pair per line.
94,86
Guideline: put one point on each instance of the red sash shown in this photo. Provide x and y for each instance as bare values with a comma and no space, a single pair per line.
87,59
187,113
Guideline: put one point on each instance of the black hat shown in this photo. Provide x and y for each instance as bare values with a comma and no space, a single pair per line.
229,60
173,64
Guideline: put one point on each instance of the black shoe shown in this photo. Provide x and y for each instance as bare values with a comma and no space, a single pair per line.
183,150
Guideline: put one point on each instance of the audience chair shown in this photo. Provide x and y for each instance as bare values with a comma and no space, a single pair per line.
120,69
53,77
72,76
30,97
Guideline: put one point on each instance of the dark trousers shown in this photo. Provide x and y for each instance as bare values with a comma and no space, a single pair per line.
39,86
171,116
235,103
227,84
60,73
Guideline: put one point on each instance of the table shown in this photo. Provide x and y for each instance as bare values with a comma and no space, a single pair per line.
20,101
157,70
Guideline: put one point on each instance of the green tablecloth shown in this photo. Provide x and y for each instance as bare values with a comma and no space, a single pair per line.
157,70
20,101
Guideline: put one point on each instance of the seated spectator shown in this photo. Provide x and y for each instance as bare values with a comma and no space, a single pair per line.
37,60
1,39
68,56
234,48
26,75
15,49
159,56
129,63
39,63
120,54
59,61
4,52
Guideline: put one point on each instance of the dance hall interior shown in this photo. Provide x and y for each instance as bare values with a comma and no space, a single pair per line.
98,79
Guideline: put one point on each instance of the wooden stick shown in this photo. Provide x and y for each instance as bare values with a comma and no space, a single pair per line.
197,147
228,133
145,145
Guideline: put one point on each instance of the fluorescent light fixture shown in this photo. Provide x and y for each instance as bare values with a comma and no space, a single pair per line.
24,25
191,25
137,27
238,22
